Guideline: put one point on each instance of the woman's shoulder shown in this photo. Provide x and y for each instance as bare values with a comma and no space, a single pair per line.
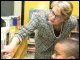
73,20
43,12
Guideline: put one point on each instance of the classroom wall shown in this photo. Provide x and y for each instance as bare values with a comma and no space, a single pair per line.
34,4
75,8
17,8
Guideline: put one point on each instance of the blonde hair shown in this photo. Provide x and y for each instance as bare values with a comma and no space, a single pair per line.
65,6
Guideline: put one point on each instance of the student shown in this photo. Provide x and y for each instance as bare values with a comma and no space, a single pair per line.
66,49
50,25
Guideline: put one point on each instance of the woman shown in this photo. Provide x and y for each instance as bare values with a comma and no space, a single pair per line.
50,26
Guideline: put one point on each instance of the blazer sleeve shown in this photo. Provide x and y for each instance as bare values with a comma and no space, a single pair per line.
31,26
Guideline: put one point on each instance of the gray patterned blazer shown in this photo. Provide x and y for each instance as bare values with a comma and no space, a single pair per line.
44,36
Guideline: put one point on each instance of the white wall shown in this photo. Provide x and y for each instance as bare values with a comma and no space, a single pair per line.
17,8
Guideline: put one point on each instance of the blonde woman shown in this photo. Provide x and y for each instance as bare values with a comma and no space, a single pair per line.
50,25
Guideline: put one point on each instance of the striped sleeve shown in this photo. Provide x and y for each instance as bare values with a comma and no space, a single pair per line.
31,26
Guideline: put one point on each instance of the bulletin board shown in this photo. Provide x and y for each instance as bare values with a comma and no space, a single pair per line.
33,5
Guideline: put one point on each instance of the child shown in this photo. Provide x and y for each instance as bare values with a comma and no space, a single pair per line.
66,49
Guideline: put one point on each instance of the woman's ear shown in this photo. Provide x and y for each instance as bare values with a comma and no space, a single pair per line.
71,57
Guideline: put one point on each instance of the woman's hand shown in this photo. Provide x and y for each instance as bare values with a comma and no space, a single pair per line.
8,49
5,52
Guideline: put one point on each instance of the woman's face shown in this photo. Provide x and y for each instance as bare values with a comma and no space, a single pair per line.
55,17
